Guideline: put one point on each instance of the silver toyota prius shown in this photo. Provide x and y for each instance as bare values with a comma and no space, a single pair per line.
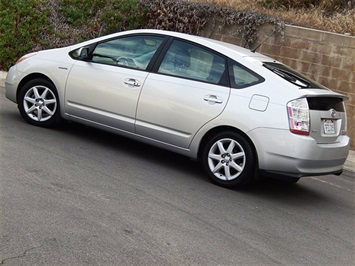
240,113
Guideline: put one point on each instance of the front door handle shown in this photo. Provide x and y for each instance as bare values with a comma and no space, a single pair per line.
213,99
132,83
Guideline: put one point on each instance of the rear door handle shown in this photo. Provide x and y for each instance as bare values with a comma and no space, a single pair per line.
132,83
213,99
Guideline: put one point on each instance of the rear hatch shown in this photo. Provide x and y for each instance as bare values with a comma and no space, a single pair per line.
320,113
327,118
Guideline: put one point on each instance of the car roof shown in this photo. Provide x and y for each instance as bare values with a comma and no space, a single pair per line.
223,47
217,45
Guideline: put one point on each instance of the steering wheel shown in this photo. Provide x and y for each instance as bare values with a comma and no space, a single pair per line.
125,61
122,61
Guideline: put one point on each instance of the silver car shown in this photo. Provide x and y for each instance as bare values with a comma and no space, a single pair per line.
239,112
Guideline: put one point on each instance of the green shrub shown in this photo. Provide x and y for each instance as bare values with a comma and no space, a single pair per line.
22,24
99,17
122,15
25,24
79,12
28,25
112,15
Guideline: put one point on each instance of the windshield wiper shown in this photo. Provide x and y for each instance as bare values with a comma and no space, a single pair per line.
290,77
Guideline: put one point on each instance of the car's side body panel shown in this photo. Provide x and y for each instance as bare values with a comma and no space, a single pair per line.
173,109
108,98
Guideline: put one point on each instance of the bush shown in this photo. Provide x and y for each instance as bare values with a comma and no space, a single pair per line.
190,17
79,12
123,15
100,17
33,25
22,24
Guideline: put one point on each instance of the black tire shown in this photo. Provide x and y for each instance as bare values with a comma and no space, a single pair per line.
38,102
229,160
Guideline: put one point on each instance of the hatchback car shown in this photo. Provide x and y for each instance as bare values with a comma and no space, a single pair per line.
239,112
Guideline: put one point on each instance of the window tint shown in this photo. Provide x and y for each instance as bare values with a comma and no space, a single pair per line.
325,103
242,77
134,51
191,61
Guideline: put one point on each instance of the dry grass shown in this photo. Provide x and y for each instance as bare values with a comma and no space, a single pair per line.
316,18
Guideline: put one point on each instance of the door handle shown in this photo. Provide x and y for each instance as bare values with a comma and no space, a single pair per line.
213,99
132,82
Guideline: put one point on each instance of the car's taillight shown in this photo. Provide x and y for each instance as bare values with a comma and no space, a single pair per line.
298,115
344,131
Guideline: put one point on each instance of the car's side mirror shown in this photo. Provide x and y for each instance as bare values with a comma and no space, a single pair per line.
84,53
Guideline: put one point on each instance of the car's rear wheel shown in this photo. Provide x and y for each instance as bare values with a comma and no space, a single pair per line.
229,160
38,103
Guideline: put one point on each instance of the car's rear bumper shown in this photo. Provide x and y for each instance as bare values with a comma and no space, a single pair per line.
283,153
282,175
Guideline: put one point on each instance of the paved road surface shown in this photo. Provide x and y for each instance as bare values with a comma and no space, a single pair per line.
76,195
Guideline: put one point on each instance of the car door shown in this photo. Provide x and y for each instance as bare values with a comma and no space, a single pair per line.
187,90
104,88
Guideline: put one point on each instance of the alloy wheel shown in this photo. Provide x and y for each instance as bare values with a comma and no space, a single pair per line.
226,159
40,103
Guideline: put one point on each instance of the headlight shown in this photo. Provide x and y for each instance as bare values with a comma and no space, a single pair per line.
26,57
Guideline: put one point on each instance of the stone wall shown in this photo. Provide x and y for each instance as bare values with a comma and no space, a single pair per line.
326,57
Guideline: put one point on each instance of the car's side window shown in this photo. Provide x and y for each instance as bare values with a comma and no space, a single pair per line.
132,51
242,77
191,61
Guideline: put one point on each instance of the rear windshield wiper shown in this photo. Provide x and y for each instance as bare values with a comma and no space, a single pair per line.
289,76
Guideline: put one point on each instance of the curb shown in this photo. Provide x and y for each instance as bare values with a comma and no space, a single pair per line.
350,162
348,166
2,76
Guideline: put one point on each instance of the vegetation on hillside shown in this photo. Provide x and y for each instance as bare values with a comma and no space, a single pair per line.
21,26
33,25
329,15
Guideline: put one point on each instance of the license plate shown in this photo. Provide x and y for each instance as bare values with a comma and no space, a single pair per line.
329,127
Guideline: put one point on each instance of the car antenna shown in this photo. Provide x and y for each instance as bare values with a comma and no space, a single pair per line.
268,37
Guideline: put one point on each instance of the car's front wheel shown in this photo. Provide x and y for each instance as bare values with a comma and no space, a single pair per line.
229,160
38,103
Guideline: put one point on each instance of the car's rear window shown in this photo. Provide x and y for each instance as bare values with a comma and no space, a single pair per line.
325,103
292,76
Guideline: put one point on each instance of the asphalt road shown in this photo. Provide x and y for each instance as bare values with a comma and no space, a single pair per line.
75,196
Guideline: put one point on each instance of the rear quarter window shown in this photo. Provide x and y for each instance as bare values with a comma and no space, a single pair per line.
241,76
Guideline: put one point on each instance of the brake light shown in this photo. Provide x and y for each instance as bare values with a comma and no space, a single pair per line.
298,115
344,131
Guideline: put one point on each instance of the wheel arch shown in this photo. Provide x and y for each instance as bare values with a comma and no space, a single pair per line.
212,132
30,77
52,116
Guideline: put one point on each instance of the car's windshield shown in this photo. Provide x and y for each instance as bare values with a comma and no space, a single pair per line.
292,76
